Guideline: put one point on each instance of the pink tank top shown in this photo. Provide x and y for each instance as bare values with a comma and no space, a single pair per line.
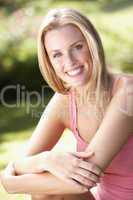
117,183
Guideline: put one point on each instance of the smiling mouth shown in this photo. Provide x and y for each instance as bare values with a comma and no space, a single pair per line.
76,71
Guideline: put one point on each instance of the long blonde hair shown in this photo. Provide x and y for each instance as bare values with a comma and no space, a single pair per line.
99,81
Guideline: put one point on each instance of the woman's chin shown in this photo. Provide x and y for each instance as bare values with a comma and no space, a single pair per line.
80,84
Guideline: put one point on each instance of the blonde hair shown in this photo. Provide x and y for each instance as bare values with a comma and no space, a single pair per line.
99,80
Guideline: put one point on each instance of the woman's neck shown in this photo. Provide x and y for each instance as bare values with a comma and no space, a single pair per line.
82,93
86,94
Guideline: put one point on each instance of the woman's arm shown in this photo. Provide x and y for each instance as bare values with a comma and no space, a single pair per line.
45,136
37,183
116,127
62,165
50,126
47,133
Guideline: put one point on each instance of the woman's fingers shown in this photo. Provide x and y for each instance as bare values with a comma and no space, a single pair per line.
86,164
89,166
73,182
87,174
82,180
83,154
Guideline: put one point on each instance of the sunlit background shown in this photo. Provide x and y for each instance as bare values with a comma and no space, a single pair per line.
23,92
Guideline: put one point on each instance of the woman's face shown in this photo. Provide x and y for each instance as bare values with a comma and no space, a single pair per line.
69,54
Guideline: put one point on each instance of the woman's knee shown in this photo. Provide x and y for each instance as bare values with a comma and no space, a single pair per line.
62,197
47,197
40,197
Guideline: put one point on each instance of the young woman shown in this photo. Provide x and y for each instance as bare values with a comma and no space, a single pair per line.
95,104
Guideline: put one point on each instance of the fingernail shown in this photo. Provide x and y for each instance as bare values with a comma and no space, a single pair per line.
90,152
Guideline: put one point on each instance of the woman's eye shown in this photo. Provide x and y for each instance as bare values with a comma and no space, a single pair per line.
79,46
56,55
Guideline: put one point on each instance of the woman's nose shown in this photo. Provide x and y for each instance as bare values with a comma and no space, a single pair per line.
69,60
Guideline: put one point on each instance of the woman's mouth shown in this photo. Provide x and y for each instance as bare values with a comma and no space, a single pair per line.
76,71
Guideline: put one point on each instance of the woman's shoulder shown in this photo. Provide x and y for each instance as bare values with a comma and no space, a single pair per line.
58,102
121,82
60,99
123,93
59,106
126,78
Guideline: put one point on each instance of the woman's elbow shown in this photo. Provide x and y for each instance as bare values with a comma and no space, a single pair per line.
7,183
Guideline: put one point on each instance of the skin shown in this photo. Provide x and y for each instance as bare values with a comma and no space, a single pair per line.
67,55
105,137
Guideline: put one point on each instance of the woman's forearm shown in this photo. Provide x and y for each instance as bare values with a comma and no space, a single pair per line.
44,183
31,164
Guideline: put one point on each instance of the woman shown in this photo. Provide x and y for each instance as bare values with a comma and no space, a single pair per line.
90,101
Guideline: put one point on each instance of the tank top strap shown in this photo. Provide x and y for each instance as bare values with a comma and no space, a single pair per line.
73,111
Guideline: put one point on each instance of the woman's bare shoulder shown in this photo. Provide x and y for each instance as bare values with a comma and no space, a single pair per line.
123,94
59,106
122,82
60,100
126,78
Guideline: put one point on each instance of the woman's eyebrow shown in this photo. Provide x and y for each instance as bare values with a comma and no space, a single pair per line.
76,42
57,50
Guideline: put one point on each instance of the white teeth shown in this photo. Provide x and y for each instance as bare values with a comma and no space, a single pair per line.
74,72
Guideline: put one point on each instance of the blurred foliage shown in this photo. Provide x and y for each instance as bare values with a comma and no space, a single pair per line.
20,20
114,4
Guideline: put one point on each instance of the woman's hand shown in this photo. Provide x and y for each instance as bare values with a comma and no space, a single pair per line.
6,175
36,184
73,167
